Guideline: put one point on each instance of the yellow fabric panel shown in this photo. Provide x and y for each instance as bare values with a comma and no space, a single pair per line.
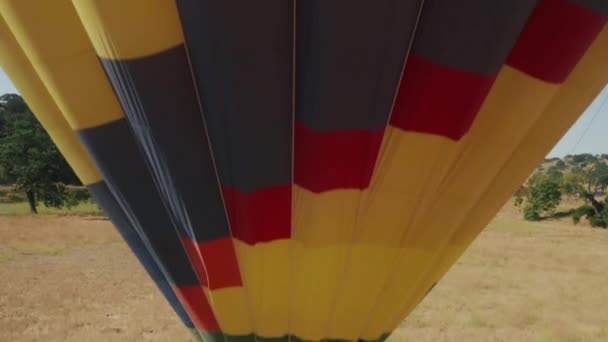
265,271
511,108
323,219
411,162
67,65
322,229
19,69
383,217
316,278
227,304
415,166
361,283
130,29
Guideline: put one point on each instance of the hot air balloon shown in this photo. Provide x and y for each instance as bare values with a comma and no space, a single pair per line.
303,170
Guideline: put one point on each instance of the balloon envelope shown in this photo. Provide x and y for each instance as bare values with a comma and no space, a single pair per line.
303,170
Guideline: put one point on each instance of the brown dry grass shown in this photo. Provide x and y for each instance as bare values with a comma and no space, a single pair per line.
520,281
72,279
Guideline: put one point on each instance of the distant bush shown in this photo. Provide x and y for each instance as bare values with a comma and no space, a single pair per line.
581,158
584,210
598,221
595,219
76,196
531,214
603,216
560,164
583,176
540,196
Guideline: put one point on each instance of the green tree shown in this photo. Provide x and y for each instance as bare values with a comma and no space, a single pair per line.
540,196
580,159
28,157
589,181
560,165
587,178
555,173
571,183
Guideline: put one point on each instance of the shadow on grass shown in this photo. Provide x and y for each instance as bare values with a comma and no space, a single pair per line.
558,215
96,217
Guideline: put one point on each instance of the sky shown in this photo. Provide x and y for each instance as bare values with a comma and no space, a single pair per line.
588,135
5,84
590,132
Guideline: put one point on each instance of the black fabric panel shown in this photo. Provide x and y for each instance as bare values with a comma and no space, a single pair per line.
350,55
242,56
597,6
116,155
158,96
104,198
470,35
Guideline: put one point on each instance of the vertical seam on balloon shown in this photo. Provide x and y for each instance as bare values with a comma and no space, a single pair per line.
290,281
106,40
110,49
107,43
361,195
219,185
109,46
416,214
397,86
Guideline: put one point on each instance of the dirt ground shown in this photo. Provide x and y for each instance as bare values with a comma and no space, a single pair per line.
72,279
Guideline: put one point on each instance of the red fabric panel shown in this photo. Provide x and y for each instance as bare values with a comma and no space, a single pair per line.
195,259
334,160
554,39
260,216
197,306
214,262
438,100
220,261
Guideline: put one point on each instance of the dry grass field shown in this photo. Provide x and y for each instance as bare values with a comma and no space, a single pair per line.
68,278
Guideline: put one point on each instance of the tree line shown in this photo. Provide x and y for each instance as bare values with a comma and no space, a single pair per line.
30,162
581,176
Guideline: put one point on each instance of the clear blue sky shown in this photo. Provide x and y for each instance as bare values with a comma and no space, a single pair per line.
590,132
588,135
5,84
